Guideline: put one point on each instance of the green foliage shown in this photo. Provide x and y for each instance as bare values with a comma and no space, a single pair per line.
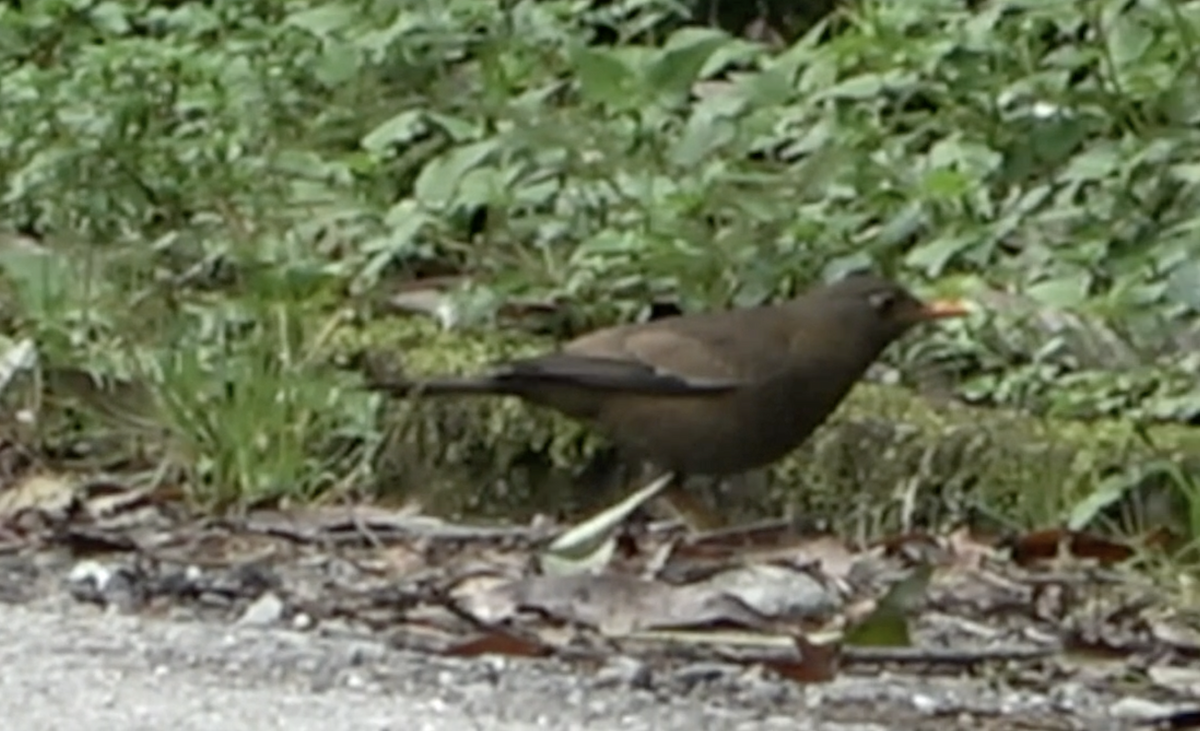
206,183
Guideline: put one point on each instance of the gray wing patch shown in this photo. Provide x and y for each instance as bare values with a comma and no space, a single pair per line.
615,374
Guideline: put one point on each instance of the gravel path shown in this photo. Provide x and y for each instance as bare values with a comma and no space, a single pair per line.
72,667
78,670
68,664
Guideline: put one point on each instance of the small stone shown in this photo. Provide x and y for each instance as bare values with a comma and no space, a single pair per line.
90,572
302,622
702,672
111,586
1139,709
267,609
926,704
623,670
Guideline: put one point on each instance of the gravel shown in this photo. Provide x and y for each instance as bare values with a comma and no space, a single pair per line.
69,666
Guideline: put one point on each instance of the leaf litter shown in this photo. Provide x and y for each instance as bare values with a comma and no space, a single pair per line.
800,607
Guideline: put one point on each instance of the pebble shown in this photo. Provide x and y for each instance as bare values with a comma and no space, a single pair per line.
623,670
266,610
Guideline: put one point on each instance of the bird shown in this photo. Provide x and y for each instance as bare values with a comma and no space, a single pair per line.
710,394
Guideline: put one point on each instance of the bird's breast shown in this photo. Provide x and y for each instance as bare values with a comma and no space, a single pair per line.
719,435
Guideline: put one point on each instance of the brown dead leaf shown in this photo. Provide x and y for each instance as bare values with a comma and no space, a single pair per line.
832,556
211,548
781,593
395,560
376,525
615,605
1052,543
748,596
765,543
428,629
47,493
619,605
1178,634
914,546
117,508
92,541
970,551
817,663
1094,667
486,597
496,642
735,540
1183,680
105,498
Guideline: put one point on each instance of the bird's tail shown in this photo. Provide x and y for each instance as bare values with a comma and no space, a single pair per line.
448,386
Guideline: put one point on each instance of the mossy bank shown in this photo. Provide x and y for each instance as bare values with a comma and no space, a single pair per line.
887,457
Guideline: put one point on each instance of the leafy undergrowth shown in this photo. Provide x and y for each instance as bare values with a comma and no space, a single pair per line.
199,199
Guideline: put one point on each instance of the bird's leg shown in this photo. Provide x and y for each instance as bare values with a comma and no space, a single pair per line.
689,509
605,475
675,501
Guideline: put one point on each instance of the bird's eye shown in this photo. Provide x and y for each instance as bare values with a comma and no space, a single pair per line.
882,301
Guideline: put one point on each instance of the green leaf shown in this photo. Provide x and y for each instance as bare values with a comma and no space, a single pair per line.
1095,163
1065,291
945,184
773,87
324,20
677,66
1110,491
43,279
439,179
704,134
402,128
902,225
588,546
1183,284
604,77
459,129
1186,172
863,86
887,626
110,17
965,156
404,221
732,51
1053,140
1128,40
482,186
933,256
337,64
843,265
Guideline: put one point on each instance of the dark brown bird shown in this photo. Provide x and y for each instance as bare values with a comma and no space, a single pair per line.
716,393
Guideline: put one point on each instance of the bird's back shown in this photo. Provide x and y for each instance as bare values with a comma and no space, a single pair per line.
725,344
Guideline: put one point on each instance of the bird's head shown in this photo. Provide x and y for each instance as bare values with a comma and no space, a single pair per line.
881,310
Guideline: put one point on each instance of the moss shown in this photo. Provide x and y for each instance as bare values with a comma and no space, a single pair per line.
888,457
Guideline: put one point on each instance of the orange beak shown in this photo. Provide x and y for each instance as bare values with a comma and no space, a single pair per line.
941,309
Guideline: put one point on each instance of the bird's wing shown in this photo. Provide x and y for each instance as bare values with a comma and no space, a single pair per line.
742,344
646,359
618,370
